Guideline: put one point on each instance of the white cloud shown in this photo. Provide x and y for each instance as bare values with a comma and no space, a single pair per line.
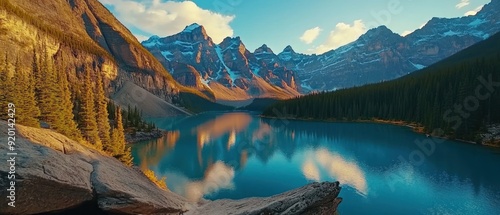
310,35
406,33
341,35
170,17
462,4
473,12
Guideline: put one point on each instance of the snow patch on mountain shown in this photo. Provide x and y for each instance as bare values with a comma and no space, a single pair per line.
232,74
477,22
417,66
167,55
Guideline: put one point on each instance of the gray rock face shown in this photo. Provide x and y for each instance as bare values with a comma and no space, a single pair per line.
228,63
126,190
45,180
150,105
56,174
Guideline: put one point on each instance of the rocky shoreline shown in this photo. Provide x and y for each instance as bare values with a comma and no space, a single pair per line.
57,175
492,135
140,136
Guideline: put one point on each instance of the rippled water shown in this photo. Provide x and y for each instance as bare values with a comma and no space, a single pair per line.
381,168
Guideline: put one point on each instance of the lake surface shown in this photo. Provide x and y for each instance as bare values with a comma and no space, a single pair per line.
381,168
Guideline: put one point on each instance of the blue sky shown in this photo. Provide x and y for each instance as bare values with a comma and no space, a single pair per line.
309,26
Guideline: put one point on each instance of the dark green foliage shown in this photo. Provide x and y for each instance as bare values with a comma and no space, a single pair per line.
132,119
432,97
111,110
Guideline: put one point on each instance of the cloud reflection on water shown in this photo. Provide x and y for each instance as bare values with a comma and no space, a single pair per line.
219,176
310,170
338,168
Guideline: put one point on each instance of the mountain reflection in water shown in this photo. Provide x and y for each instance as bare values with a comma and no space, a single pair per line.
239,155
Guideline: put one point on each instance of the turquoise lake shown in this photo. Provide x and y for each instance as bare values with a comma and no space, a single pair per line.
383,169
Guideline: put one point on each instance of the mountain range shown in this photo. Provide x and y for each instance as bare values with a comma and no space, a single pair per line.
189,68
227,69
232,72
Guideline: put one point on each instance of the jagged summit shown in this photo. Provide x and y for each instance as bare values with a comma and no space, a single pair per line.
378,55
380,30
154,37
288,49
192,27
264,49
232,39
232,43
228,69
379,33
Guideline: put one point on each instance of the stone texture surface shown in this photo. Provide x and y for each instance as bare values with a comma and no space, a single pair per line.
317,198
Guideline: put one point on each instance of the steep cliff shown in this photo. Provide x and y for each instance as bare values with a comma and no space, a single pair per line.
83,34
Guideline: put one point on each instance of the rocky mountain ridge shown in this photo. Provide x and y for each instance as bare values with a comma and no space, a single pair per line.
381,55
226,68
378,55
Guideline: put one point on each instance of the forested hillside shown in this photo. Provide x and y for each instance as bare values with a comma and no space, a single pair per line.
459,95
42,95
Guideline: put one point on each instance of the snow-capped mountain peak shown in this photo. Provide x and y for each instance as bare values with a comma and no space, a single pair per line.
152,41
378,55
192,27
264,49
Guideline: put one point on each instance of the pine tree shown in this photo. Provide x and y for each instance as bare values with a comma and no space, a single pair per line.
111,111
37,76
88,124
103,125
47,91
121,151
70,127
23,96
5,86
